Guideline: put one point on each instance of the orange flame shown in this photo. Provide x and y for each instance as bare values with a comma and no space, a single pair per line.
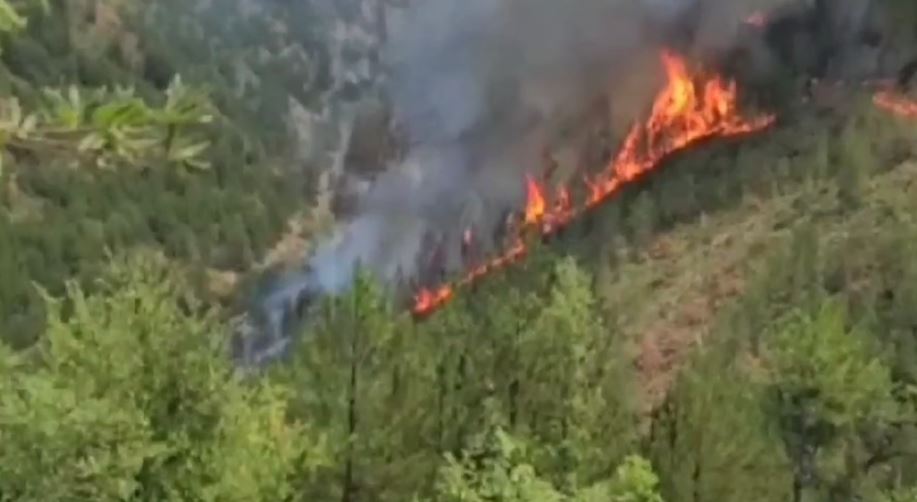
681,115
535,203
895,103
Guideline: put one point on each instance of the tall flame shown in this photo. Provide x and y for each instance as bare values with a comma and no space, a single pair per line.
535,203
682,114
896,103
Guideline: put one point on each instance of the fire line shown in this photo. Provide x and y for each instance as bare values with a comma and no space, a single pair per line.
689,109
896,104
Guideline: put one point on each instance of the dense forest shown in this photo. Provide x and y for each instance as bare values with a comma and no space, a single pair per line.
740,326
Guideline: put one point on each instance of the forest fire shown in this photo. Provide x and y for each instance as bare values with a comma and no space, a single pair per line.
896,103
683,113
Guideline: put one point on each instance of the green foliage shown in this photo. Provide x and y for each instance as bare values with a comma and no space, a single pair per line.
495,468
578,380
130,396
10,19
93,83
634,481
524,389
829,393
904,495
109,128
354,379
713,440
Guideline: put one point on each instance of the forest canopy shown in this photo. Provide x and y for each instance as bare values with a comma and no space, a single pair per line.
739,326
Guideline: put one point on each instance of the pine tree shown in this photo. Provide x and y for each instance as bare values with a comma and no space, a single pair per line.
353,378
496,467
130,397
577,382
710,439
830,393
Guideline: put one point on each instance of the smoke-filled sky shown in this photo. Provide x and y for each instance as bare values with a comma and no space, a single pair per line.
481,86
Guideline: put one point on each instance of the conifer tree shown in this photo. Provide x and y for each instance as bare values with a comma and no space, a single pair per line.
350,382
710,438
829,394
130,397
578,382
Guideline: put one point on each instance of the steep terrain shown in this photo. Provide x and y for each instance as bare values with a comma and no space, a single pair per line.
283,95
738,325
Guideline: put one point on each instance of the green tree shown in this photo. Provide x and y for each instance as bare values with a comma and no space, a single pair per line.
711,440
830,394
493,468
10,19
576,384
354,377
496,467
900,495
633,481
129,396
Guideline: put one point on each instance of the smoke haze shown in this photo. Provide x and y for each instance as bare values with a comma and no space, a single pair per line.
481,87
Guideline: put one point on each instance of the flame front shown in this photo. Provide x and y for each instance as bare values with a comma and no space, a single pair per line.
896,103
681,115
535,203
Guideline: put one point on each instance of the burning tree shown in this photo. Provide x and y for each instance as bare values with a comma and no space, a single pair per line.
693,106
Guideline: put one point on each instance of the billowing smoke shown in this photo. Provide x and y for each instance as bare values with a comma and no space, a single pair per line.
481,88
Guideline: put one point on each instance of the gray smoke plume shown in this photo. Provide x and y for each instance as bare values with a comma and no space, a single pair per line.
481,87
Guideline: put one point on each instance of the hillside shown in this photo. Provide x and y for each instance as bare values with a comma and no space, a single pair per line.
738,323
269,85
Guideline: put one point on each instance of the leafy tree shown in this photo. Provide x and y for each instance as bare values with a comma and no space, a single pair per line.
711,439
576,381
495,467
901,495
131,396
77,92
830,394
634,481
354,381
10,19
109,127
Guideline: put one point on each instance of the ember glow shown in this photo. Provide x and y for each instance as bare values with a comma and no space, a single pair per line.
896,103
690,108
757,19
